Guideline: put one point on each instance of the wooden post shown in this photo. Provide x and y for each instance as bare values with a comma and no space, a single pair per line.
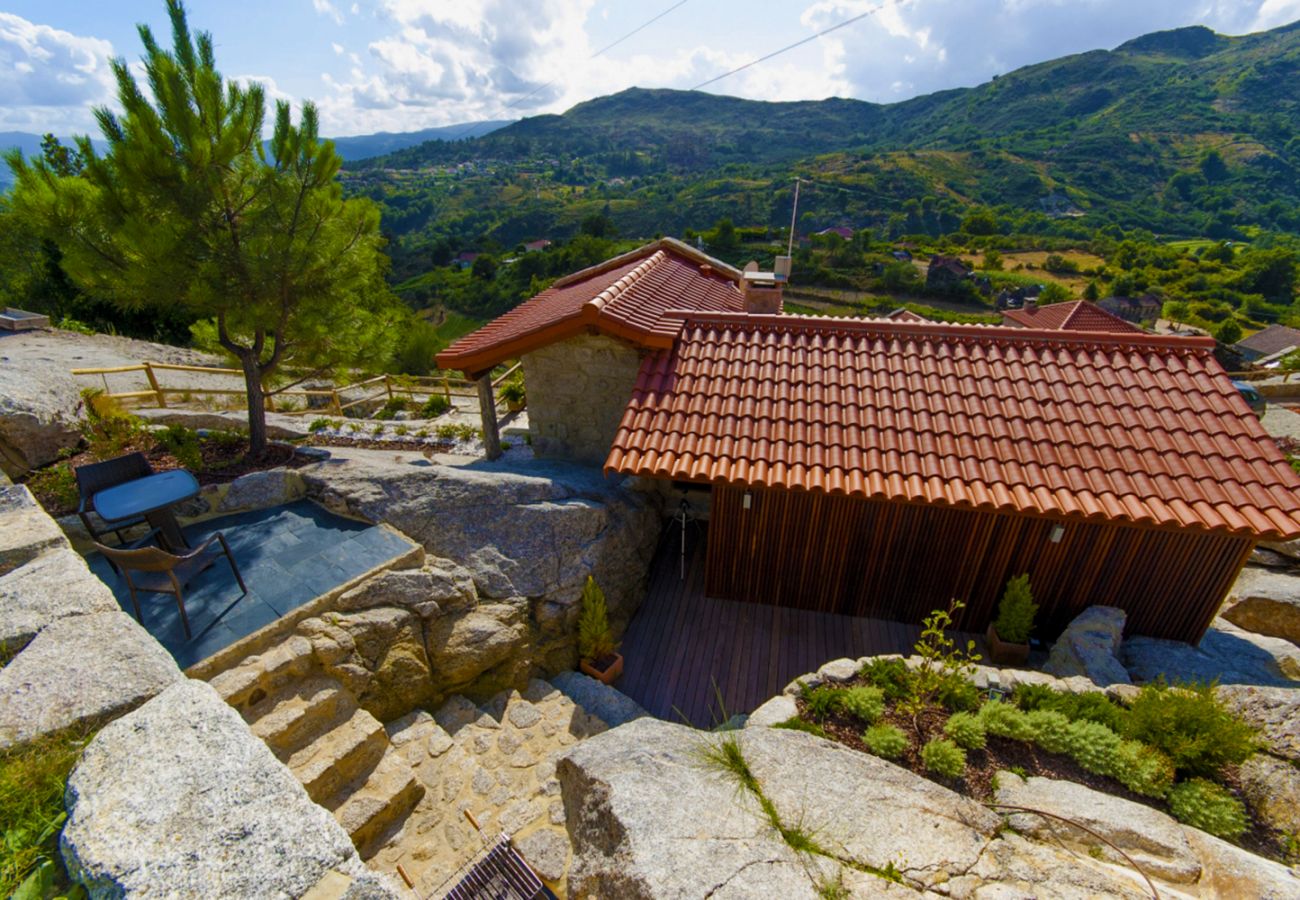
488,409
153,383
338,404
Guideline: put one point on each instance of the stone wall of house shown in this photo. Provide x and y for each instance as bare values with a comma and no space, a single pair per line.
577,390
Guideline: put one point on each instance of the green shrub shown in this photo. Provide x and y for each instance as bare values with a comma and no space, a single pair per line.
1143,770
966,729
595,641
863,703
512,392
377,430
822,701
1004,720
392,407
401,429
182,443
1092,705
794,723
319,425
1093,746
885,741
435,406
1209,807
1049,729
957,694
943,758
1016,611
58,482
1191,726
890,675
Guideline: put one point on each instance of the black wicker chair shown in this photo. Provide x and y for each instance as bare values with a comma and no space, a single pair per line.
95,477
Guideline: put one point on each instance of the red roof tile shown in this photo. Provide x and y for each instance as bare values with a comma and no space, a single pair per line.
626,297
903,314
1074,315
1134,427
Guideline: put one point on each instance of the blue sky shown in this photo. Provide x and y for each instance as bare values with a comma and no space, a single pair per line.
401,65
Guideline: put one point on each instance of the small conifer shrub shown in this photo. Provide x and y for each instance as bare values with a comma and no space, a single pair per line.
595,641
1143,770
1093,746
1049,729
966,729
863,703
1209,807
885,741
1016,611
944,758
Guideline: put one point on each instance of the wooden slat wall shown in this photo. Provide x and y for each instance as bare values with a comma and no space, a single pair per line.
899,561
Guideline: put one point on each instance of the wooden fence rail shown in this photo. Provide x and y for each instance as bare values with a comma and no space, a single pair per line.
338,399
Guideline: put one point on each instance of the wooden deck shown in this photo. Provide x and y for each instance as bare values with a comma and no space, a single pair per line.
684,652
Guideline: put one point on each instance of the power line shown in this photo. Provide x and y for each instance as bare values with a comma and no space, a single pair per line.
825,31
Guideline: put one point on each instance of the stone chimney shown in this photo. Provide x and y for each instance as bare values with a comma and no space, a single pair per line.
762,290
1031,303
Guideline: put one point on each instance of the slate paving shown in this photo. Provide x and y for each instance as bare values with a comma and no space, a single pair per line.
288,556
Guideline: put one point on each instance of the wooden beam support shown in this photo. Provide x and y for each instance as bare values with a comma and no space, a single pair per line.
488,410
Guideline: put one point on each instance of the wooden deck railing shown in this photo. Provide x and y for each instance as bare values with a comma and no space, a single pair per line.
338,399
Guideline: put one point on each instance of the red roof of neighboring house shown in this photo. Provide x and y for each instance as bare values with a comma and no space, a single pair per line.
842,230
1074,315
1130,427
626,297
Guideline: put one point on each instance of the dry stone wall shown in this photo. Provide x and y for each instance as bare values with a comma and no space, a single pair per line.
577,390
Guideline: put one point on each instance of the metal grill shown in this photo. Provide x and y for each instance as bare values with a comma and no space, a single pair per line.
497,873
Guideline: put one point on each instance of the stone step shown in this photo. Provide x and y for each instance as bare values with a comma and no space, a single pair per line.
249,683
343,754
293,716
367,807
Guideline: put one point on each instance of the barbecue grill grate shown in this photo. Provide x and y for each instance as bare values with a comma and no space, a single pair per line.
497,873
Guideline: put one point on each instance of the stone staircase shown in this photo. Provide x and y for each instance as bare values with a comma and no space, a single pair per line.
339,752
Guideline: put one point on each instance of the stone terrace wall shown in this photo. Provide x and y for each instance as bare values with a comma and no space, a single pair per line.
176,797
577,390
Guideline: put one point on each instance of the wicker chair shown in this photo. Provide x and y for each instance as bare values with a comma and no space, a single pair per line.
95,477
159,572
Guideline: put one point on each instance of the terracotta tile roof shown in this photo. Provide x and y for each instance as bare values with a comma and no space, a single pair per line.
902,314
1272,339
1074,315
1136,428
626,297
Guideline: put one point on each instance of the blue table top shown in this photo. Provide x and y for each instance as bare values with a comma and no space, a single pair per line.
146,495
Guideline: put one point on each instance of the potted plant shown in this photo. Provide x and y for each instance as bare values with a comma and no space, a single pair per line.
513,395
1008,635
597,655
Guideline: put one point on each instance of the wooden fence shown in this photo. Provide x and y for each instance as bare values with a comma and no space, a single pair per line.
336,399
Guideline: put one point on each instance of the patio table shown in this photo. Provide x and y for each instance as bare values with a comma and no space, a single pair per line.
152,497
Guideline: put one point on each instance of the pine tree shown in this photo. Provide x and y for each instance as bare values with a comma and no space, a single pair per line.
187,208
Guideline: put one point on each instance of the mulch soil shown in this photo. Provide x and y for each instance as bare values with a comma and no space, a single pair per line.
1011,755
223,461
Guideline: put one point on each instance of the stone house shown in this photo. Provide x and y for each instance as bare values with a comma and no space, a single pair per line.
945,273
1146,308
878,468
581,341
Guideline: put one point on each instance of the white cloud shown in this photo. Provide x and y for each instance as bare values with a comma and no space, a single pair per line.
49,78
920,46
328,9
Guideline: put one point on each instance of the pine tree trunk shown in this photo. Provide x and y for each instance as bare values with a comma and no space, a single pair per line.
256,406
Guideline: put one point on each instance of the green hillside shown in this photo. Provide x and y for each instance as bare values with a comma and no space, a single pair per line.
1185,133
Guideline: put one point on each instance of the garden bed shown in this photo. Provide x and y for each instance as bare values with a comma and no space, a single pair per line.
213,457
847,723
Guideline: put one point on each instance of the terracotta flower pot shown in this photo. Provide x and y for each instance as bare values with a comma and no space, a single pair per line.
1005,652
607,675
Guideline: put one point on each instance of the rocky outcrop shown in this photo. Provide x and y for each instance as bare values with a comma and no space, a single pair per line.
80,670
26,531
179,799
1272,786
608,704
47,589
529,534
1227,654
648,817
1152,839
1265,602
38,419
1090,647
1275,711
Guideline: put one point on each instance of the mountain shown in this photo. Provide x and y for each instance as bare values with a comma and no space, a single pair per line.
362,146
30,145
1119,135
